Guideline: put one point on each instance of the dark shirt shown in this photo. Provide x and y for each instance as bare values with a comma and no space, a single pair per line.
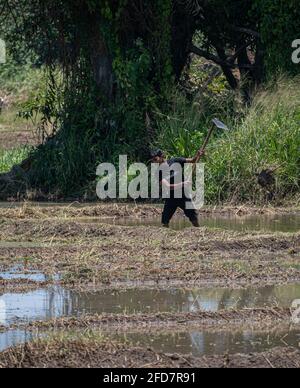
173,178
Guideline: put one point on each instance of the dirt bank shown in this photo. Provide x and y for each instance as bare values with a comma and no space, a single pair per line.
260,318
76,210
61,231
96,254
77,353
19,285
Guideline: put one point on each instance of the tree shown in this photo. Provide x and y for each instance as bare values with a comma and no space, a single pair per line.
230,39
279,25
118,58
247,39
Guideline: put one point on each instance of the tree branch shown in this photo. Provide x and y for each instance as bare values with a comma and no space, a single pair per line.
207,55
247,31
233,58
217,60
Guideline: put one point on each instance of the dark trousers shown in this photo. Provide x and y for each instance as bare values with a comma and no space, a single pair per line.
171,205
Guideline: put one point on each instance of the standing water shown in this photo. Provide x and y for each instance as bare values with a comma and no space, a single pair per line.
279,223
56,302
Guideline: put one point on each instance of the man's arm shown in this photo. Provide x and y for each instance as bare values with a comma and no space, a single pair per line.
194,160
175,186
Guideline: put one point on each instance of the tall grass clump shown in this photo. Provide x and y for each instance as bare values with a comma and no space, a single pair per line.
183,129
267,137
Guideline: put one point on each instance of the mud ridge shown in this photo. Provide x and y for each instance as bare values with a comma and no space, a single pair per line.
262,317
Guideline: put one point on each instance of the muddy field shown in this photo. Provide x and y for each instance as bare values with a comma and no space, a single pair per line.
134,291
90,353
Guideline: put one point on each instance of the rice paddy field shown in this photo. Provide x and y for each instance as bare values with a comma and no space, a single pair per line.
103,285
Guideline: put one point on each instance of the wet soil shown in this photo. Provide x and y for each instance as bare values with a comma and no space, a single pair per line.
99,254
199,343
68,353
262,318
63,270
40,210
139,312
278,223
76,210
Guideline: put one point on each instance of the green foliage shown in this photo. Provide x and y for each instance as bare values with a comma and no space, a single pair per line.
10,158
268,137
263,136
182,128
145,108
136,96
43,104
143,72
184,123
91,129
279,25
67,160
19,81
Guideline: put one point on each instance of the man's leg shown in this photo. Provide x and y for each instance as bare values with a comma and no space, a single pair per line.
191,213
169,211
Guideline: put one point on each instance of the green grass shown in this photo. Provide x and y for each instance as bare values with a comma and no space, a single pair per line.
10,121
10,158
183,129
268,137
20,81
19,86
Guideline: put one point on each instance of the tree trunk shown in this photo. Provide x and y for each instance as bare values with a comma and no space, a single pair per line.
248,84
101,64
226,70
259,70
183,30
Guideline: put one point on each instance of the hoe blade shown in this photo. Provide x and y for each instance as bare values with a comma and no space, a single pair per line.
220,125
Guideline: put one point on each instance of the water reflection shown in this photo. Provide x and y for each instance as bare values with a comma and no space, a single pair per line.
209,343
21,272
54,302
14,338
57,302
279,223
195,343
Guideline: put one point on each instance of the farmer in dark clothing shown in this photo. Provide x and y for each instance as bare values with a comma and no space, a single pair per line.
176,201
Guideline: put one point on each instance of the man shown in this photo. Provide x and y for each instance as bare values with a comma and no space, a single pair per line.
173,203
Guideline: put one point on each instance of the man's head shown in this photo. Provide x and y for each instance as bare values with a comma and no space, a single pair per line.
158,156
